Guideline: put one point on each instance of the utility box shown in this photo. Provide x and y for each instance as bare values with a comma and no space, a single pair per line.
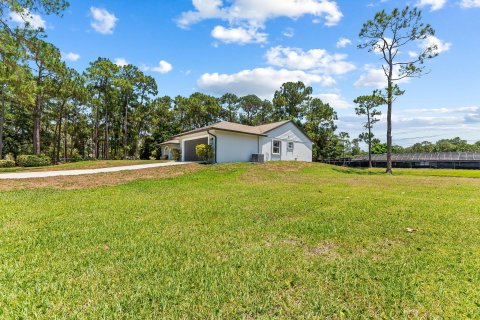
258,158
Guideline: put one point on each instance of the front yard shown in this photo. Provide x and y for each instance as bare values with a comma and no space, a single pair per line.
280,240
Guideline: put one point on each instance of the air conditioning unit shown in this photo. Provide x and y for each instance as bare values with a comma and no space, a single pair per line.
258,158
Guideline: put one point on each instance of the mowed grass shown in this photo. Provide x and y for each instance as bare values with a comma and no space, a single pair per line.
242,241
80,165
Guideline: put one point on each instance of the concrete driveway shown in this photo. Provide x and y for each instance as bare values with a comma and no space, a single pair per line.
46,174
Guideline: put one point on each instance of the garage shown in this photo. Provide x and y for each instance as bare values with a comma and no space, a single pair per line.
190,148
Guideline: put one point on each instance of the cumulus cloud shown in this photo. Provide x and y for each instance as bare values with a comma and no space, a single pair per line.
470,4
239,35
28,19
103,21
434,4
419,124
256,13
317,60
163,67
70,56
246,17
260,81
334,99
343,42
441,45
121,62
375,78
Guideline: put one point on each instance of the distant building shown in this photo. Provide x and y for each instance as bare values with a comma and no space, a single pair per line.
437,160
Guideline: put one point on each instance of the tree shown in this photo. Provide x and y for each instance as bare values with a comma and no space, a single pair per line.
320,127
46,61
389,35
250,106
101,75
230,105
291,101
367,105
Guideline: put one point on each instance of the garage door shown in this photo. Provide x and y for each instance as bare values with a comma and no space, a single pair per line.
190,148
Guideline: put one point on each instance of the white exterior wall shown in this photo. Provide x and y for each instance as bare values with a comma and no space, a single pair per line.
235,147
302,149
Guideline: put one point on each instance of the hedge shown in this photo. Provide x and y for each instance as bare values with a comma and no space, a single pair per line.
33,161
7,163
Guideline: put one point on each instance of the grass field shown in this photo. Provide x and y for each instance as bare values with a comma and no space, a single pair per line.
280,240
80,165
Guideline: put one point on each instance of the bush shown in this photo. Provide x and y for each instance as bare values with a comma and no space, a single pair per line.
7,164
175,154
10,156
33,161
204,152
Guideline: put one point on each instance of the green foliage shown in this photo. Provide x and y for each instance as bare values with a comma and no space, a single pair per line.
176,154
388,35
7,164
204,152
291,101
33,161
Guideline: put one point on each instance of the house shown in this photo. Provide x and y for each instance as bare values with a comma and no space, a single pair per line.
235,142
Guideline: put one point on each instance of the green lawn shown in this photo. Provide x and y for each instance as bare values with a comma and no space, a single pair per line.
243,241
80,165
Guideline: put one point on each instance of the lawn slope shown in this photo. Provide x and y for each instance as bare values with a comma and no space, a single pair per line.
280,240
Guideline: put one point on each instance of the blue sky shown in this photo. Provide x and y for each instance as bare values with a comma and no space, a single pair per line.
251,46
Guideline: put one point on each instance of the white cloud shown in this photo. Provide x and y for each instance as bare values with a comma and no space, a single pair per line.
121,62
28,19
442,46
434,4
335,100
289,32
239,35
470,4
375,77
103,21
343,42
70,56
317,60
163,67
260,81
256,13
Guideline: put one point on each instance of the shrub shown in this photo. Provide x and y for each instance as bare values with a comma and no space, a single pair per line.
7,163
33,161
10,156
175,154
204,152
164,157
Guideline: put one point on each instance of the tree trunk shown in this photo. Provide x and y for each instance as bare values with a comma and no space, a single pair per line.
389,125
65,138
369,139
95,138
2,120
125,132
37,121
107,147
59,136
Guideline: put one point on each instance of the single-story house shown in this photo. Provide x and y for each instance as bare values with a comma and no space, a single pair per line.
233,142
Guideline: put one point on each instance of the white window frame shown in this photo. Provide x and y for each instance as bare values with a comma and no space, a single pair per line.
288,145
279,146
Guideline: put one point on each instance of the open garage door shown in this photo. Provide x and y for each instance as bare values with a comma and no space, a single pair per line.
190,148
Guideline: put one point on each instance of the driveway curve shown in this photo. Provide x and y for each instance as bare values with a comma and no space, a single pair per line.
46,174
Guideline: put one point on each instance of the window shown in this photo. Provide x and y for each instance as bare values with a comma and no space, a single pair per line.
276,146
290,146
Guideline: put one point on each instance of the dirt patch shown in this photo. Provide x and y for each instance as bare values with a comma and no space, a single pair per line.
292,242
99,179
325,249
